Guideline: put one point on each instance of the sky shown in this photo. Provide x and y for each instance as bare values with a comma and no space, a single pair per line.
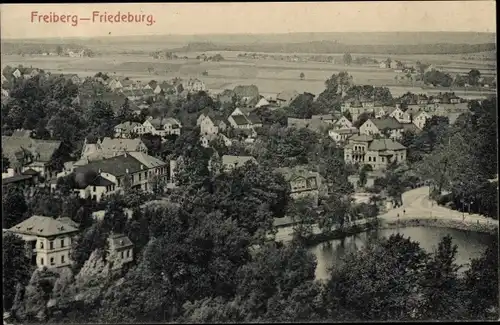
27,21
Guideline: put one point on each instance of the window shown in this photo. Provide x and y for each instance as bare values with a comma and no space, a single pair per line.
41,261
374,159
140,177
41,245
62,242
52,261
94,188
128,253
122,254
62,259
51,245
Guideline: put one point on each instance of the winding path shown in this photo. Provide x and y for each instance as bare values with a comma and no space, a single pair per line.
416,206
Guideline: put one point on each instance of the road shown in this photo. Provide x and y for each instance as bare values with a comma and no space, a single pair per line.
416,205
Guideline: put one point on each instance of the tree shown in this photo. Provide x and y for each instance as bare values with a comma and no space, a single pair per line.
473,77
336,86
59,50
303,106
302,76
459,81
394,266
17,269
5,163
114,217
302,211
348,115
337,212
347,58
14,206
481,285
440,283
362,118
125,111
93,238
363,173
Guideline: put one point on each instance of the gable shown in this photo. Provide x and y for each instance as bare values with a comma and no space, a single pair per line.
237,111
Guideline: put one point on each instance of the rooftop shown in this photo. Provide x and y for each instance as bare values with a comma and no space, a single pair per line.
147,160
112,145
345,131
361,138
42,150
291,174
385,144
386,123
43,226
119,241
240,119
116,166
237,160
287,95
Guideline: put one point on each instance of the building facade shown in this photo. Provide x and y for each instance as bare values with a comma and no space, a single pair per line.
48,240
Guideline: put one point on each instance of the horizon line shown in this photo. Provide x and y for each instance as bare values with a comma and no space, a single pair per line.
246,34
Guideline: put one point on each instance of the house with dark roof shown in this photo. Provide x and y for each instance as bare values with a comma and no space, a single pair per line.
242,119
304,183
161,126
327,118
136,169
48,241
94,186
120,250
366,150
28,178
27,153
386,127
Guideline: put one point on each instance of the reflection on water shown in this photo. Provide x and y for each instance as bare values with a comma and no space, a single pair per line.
470,244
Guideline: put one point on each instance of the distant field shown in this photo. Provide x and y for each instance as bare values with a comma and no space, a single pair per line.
270,76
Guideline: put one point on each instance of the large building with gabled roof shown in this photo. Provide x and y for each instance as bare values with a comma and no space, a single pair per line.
48,241
364,149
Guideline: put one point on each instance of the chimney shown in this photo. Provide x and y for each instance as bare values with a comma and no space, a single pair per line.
99,171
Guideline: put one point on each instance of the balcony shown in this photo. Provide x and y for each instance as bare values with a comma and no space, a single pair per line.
358,151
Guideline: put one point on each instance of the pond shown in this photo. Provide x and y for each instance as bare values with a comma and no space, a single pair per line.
470,244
